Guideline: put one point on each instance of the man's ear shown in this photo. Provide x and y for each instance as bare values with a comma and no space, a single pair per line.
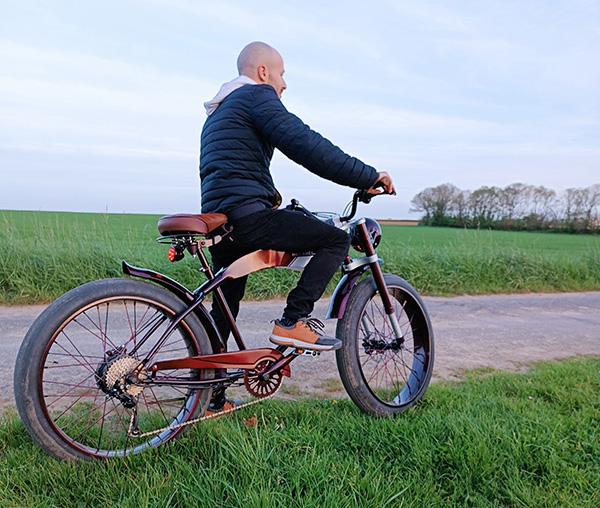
263,73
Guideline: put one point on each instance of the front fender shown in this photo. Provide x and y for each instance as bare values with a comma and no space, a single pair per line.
339,298
184,295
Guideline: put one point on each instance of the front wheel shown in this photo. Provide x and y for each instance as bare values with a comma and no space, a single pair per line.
385,376
79,349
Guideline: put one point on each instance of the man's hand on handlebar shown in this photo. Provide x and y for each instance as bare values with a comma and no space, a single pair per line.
383,185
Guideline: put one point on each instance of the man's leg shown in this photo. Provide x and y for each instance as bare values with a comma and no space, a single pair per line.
292,231
233,291
316,275
222,255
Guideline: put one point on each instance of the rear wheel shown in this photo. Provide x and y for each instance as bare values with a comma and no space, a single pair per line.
385,376
87,341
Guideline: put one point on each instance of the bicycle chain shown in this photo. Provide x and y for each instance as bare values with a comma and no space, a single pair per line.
196,420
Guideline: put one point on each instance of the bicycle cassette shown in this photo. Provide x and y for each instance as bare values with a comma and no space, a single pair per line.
124,375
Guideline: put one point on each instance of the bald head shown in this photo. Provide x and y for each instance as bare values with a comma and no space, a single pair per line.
255,54
263,64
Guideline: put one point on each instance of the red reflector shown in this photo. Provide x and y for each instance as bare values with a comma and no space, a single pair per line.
172,254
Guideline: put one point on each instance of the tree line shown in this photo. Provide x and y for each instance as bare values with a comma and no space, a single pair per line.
517,206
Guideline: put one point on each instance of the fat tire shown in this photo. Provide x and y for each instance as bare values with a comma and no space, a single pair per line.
28,364
348,361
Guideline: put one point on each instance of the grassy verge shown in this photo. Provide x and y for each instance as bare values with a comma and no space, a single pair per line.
43,254
493,440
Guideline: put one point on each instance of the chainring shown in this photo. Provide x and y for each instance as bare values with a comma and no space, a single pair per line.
259,387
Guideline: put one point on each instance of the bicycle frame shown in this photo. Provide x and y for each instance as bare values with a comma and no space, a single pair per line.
244,358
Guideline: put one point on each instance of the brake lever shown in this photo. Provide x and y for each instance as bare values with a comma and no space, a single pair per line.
295,205
366,197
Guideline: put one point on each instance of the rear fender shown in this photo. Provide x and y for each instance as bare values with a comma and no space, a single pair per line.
184,294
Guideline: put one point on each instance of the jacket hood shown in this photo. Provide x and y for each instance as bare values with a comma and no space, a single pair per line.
225,90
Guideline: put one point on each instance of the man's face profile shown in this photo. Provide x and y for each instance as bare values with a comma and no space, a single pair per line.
275,75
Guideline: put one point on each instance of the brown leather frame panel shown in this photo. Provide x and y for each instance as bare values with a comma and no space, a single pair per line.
199,224
257,260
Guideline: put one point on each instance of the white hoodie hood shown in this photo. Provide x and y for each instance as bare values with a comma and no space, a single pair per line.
225,90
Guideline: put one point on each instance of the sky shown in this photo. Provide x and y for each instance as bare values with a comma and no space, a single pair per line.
101,103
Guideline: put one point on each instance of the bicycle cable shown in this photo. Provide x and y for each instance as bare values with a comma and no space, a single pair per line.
346,209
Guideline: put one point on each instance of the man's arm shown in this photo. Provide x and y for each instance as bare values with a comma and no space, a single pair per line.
308,148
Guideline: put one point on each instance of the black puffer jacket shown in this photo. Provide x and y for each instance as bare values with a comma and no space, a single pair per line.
237,145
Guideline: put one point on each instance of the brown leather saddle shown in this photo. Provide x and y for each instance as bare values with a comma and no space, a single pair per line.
191,224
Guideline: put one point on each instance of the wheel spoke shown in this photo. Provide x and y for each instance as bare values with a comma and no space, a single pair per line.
85,365
103,337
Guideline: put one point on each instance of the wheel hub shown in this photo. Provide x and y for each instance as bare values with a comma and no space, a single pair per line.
372,345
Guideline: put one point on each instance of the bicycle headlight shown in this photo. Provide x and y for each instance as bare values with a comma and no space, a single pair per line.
374,233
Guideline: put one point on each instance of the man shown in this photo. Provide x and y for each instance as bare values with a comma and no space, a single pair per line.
246,121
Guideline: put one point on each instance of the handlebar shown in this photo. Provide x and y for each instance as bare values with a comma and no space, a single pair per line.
361,196
364,197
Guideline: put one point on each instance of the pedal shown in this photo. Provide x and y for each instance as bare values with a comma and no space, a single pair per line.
307,352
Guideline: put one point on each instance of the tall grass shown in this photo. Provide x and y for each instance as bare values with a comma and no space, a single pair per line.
42,255
478,269
494,440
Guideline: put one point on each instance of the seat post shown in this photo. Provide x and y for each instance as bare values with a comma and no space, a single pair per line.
218,294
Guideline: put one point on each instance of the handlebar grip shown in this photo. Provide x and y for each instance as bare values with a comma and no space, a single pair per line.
381,185
364,196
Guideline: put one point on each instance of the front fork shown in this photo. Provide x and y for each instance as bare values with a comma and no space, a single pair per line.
379,282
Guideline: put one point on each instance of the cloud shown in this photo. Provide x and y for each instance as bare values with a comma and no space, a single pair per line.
433,15
74,79
66,101
281,23
161,154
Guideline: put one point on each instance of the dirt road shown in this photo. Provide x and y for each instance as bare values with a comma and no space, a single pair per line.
503,332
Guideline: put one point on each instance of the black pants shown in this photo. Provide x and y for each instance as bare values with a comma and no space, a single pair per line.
283,230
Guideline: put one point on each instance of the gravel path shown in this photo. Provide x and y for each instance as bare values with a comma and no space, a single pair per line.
503,332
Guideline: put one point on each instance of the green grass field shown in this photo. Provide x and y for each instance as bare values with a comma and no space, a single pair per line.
496,439
43,254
